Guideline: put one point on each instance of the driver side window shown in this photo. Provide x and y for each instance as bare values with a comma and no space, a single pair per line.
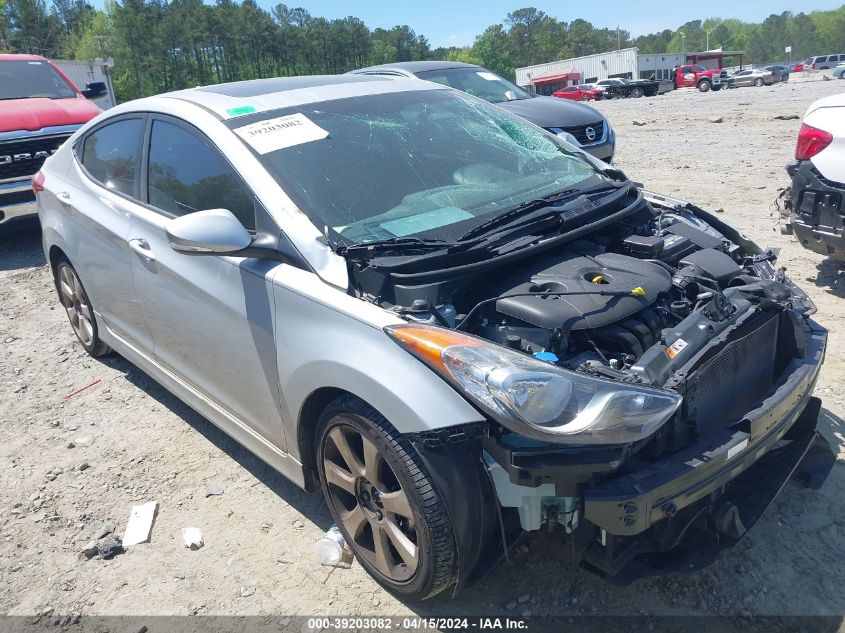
187,173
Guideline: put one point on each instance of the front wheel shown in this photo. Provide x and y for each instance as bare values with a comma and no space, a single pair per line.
704,86
716,88
758,82
384,501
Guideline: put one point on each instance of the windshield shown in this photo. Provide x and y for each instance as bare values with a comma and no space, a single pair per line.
26,79
478,82
424,163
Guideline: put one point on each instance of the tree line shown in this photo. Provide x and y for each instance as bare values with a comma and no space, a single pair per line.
161,45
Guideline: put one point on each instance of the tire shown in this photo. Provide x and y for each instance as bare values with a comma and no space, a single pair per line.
704,86
585,98
368,460
759,82
716,88
79,310
637,92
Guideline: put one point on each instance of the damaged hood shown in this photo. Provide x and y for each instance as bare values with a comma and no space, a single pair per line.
553,112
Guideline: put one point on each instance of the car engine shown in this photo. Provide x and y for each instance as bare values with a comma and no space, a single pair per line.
660,298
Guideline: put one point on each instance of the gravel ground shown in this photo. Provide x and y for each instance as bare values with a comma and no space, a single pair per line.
70,464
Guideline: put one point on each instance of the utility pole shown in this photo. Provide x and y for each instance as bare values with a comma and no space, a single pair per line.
684,45
618,41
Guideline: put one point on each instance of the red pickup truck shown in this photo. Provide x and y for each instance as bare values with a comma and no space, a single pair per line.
697,76
39,109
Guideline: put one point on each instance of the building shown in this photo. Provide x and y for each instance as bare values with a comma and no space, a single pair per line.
627,63
80,72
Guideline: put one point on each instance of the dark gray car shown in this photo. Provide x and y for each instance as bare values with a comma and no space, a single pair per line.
574,121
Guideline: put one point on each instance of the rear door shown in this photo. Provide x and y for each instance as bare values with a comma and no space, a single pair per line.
211,318
99,201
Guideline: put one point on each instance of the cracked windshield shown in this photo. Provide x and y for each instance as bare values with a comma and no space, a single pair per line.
431,164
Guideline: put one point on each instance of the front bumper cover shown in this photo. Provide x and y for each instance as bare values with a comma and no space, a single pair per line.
723,487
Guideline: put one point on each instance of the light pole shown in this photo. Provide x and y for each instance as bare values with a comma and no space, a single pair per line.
684,45
708,32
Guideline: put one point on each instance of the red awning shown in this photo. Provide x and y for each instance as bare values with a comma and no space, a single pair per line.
567,74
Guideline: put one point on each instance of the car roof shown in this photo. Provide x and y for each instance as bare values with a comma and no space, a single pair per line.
413,67
239,98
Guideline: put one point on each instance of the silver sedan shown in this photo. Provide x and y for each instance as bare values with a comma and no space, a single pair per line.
413,301
753,77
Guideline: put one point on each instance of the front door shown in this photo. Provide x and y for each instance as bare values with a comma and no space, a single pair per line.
211,317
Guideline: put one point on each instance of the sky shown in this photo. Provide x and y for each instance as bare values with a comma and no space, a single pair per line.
457,22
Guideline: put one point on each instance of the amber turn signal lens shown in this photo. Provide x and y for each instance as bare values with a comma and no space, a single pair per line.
428,342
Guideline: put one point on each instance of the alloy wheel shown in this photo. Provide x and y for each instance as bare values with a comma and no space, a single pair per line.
76,305
373,508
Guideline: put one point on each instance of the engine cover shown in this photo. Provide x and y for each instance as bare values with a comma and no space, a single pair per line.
579,271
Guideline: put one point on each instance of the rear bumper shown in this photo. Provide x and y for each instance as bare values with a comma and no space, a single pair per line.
817,215
17,201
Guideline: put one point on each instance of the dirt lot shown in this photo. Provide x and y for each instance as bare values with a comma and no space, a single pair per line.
67,464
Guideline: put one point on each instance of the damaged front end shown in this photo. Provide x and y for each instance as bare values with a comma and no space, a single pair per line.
658,391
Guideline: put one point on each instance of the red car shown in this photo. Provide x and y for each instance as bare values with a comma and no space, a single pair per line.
584,92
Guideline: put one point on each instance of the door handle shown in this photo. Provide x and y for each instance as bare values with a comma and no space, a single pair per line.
142,247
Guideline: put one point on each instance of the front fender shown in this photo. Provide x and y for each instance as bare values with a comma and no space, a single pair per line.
326,338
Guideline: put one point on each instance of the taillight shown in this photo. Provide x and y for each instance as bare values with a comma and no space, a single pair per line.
38,182
811,141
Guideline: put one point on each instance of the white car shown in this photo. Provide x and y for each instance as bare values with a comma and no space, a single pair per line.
818,179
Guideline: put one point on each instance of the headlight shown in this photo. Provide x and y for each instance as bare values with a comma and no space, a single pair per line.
537,399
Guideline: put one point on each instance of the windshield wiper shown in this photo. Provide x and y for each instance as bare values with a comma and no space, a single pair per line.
366,250
508,217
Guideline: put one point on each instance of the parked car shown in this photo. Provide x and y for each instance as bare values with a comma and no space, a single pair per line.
584,92
753,77
797,67
839,71
817,213
39,109
824,62
577,123
779,73
354,277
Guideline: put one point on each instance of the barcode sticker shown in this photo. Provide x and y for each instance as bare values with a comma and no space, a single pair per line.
735,450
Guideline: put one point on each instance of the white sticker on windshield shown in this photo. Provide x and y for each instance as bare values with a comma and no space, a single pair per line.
487,76
281,132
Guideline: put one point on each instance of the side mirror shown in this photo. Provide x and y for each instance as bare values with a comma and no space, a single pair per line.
510,95
213,232
95,89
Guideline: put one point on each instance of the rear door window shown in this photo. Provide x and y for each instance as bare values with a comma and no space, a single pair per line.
188,173
821,59
111,153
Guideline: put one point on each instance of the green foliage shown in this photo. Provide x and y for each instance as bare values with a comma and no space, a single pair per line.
161,45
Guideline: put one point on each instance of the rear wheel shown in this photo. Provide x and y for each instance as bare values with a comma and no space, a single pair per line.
585,98
78,307
637,92
384,501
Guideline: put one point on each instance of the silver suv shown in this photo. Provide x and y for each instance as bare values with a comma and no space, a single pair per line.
448,320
